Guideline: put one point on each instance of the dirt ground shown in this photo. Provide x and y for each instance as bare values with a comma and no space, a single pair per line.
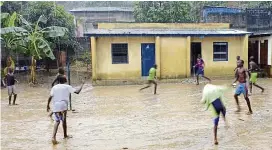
118,117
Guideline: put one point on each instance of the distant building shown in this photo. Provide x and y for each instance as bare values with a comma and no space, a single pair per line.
235,16
86,19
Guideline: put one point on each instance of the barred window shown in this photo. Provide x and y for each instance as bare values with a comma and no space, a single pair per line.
220,51
119,53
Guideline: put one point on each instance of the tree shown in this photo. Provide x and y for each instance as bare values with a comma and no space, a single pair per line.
56,16
32,40
163,12
10,40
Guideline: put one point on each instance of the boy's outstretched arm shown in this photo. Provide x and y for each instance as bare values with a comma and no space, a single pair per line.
79,90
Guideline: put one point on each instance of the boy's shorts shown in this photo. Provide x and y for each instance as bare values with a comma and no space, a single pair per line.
11,90
59,116
219,108
253,77
241,89
200,72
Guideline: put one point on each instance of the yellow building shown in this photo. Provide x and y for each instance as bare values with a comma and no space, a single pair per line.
128,50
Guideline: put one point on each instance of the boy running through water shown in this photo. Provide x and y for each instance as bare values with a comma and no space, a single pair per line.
60,94
242,88
200,69
151,79
11,86
212,97
253,69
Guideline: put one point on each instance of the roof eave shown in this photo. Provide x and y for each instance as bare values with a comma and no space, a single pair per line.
176,35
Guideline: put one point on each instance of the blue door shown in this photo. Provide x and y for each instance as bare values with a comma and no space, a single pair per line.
148,57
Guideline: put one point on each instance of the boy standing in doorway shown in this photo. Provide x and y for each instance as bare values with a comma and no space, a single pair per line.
151,79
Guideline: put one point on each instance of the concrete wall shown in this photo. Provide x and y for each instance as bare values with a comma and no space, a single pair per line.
216,68
173,57
163,25
106,70
173,54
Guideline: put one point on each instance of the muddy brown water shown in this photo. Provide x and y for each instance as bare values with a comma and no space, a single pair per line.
120,117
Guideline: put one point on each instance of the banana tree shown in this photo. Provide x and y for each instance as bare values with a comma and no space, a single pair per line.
9,39
37,45
33,40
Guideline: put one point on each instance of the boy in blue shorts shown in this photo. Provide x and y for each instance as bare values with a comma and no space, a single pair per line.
213,98
200,69
242,87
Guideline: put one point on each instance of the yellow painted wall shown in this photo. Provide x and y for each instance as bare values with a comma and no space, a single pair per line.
174,53
221,68
132,70
164,25
173,57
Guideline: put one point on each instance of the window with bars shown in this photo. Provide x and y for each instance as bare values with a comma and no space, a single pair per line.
119,53
220,51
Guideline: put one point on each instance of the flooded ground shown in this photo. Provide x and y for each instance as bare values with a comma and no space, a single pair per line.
117,117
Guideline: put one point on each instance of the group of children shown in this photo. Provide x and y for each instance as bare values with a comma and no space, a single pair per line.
212,94
199,73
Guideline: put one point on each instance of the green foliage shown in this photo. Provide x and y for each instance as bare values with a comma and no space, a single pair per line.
162,12
56,16
184,11
30,39
12,6
36,38
86,57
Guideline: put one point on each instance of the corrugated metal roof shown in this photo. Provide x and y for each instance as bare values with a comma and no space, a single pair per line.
267,32
102,9
171,32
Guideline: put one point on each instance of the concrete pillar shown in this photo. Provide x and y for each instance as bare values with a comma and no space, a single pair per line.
158,55
245,51
93,55
188,57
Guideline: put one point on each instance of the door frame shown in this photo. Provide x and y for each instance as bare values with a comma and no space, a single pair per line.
191,54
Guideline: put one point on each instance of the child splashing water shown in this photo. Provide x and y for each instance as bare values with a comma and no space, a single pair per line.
212,97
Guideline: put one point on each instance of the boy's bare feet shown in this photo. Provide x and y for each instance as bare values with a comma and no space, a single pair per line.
68,137
54,141
249,113
238,110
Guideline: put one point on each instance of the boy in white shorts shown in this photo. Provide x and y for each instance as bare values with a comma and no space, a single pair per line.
11,86
60,94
